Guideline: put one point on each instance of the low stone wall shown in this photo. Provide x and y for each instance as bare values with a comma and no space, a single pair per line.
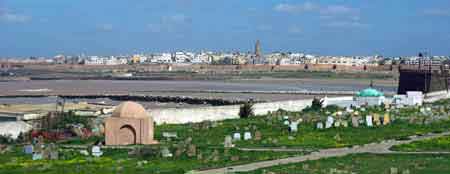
435,96
216,113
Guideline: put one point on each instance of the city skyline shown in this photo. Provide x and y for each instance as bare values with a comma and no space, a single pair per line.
51,27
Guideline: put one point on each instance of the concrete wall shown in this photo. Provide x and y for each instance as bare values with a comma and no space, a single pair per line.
195,115
435,96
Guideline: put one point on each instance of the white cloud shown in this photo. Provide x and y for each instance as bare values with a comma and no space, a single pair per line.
177,18
264,27
296,8
169,23
338,10
347,24
8,16
155,28
437,12
295,29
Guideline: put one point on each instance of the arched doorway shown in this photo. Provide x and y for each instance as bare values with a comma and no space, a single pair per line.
127,135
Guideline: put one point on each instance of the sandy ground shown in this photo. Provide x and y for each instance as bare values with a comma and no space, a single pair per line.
42,108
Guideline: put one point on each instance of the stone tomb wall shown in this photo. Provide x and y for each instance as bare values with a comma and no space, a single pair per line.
124,131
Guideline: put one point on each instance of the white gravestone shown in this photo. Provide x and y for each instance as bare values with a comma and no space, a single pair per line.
96,151
247,136
329,123
237,136
319,125
369,122
294,126
228,142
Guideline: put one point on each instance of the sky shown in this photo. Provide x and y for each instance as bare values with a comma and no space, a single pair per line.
323,27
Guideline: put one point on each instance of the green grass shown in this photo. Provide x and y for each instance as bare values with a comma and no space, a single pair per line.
366,164
441,144
306,137
118,161
210,138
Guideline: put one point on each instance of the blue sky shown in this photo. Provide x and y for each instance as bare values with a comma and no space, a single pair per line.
331,27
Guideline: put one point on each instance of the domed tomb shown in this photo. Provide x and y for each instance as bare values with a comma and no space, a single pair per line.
129,124
370,92
130,110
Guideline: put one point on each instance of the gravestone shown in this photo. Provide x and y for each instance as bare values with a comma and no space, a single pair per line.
96,151
293,127
84,152
369,122
319,125
237,136
247,136
37,156
188,140
28,149
165,152
330,122
46,154
258,136
386,119
344,123
228,143
179,151
54,155
275,141
192,150
199,156
337,124
355,121
215,156
394,170
376,119
53,152
406,171
170,135
305,167
330,119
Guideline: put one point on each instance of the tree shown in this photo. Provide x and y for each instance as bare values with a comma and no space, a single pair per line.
246,110
316,104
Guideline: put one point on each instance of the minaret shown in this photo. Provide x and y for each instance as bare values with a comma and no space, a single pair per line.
258,57
258,49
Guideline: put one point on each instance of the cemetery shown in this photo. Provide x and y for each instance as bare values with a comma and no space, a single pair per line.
129,142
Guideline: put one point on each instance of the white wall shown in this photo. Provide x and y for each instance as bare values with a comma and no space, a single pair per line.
435,96
216,113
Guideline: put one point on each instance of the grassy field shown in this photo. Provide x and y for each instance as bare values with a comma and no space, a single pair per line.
441,144
208,138
366,164
118,161
275,134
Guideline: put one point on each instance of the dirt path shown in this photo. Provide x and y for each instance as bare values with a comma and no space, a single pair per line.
378,148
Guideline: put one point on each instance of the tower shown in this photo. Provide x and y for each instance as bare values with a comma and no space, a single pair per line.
258,49
258,58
